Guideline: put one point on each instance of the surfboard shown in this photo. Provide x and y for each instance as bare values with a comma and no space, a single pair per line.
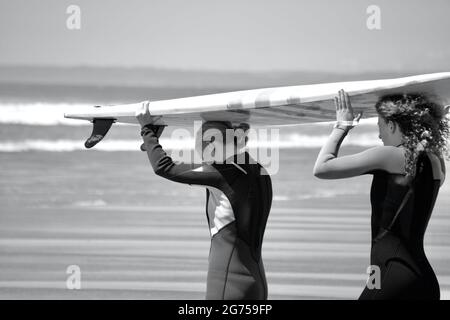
268,106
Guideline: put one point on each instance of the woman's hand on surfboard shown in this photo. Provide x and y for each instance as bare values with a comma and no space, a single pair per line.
344,109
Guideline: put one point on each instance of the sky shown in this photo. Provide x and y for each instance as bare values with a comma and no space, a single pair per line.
232,35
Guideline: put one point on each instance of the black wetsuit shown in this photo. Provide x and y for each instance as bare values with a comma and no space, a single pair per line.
401,209
239,199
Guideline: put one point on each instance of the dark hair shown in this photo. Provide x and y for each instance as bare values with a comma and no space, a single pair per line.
223,126
422,121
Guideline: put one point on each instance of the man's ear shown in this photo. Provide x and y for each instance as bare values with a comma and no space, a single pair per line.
240,137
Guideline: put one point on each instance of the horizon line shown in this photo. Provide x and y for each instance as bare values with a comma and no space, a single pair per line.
212,70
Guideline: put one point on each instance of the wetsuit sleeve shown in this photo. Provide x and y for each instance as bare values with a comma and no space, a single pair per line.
330,166
164,166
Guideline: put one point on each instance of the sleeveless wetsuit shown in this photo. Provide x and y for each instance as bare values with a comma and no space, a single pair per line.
401,209
238,201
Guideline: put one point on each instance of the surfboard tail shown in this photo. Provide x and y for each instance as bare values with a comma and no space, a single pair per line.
99,130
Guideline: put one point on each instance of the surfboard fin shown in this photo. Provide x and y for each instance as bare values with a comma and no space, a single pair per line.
99,131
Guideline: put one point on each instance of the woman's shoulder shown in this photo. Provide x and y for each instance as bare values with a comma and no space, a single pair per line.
391,159
389,149
389,152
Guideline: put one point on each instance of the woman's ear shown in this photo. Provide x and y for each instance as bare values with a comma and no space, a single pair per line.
392,126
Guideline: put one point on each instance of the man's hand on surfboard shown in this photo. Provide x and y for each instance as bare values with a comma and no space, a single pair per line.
146,119
344,110
143,114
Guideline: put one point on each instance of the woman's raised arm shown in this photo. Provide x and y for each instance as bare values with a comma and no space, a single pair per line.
329,166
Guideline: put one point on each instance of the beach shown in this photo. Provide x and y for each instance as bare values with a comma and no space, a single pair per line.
136,236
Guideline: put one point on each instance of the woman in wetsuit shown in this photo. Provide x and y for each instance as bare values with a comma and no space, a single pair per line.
238,201
407,173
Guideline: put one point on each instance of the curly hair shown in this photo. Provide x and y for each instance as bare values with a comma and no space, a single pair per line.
422,122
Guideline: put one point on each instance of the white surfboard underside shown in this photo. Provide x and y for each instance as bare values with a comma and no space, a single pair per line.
275,106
